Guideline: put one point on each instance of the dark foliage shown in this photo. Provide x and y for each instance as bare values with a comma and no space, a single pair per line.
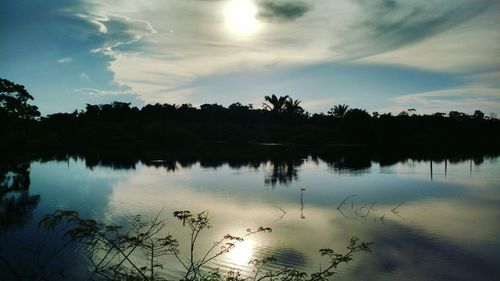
14,102
121,126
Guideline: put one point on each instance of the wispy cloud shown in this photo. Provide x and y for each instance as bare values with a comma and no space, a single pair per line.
85,77
102,93
65,60
470,47
98,96
386,25
462,99
117,31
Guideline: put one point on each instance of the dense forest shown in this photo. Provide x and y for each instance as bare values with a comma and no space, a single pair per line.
280,120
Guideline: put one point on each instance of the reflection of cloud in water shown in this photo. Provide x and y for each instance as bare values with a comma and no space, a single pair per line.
16,203
236,202
405,254
151,189
455,219
446,218
289,257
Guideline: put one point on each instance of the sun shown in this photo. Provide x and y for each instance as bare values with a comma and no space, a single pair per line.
240,17
241,254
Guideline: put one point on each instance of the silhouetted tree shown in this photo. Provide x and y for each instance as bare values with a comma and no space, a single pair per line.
274,103
403,114
357,125
212,107
357,113
478,114
14,101
186,106
456,114
293,106
339,110
240,107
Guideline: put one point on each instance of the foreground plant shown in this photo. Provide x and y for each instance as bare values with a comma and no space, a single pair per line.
118,253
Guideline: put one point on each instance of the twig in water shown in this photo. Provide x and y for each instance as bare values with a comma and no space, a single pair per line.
361,208
343,202
282,215
346,216
302,203
395,209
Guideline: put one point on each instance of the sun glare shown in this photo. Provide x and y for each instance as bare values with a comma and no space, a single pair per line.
240,17
242,253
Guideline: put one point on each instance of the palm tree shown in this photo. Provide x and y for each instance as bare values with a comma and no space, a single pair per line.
275,104
293,106
339,110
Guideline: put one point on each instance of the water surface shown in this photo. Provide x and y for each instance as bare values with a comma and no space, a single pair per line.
429,220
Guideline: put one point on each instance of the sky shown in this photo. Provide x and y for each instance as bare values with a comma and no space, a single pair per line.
380,55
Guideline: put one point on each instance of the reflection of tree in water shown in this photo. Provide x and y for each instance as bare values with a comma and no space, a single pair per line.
478,160
354,161
284,160
113,161
283,171
15,201
168,165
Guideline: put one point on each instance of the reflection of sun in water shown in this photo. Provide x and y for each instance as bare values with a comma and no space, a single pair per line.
240,17
242,253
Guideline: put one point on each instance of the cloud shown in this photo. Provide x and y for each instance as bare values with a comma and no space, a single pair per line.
166,65
117,31
421,255
471,47
194,43
85,77
319,86
282,11
390,24
103,93
98,96
65,60
466,99
74,33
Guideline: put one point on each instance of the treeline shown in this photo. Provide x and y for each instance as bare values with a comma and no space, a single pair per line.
281,120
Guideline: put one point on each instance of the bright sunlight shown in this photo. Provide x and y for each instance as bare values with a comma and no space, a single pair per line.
240,17
242,253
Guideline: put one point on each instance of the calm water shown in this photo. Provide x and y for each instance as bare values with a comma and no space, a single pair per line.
439,224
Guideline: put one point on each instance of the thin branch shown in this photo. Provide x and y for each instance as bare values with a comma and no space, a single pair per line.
10,268
343,202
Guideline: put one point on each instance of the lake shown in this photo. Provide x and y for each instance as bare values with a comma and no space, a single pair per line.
428,219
